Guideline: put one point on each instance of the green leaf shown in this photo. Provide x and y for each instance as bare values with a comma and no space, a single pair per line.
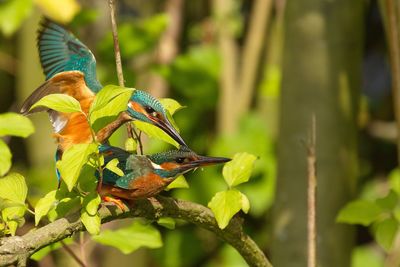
367,255
386,232
238,170
59,102
167,222
13,217
91,203
92,223
113,166
108,93
131,238
12,14
394,180
359,212
154,132
171,105
245,203
72,161
5,158
130,144
89,214
179,182
224,205
15,124
44,205
388,202
13,187
109,112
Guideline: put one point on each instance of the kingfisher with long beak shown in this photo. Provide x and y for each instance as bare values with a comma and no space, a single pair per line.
70,68
146,176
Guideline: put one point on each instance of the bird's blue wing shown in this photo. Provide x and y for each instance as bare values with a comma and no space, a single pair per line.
60,50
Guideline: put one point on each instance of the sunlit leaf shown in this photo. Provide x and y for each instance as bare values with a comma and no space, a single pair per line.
5,158
12,14
15,124
61,10
394,180
367,256
386,232
171,105
44,205
245,203
167,222
92,223
13,217
91,203
179,182
130,144
113,166
59,102
72,161
238,170
224,205
388,202
359,212
154,132
13,187
108,93
131,238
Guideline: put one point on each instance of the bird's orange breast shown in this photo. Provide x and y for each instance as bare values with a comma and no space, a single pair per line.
77,129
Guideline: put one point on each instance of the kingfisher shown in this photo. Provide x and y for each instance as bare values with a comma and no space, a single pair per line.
70,68
147,175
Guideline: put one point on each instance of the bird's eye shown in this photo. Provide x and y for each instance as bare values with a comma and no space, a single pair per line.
151,111
180,160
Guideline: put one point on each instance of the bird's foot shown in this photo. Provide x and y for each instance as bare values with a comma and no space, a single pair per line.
117,202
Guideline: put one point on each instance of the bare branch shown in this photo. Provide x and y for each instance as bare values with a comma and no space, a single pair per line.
311,201
116,44
17,249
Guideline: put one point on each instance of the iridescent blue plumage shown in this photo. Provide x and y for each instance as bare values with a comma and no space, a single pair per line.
145,176
60,50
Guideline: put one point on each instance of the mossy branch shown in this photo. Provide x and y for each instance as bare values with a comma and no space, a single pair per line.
17,249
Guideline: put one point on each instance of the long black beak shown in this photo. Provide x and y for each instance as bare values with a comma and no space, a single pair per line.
204,161
171,131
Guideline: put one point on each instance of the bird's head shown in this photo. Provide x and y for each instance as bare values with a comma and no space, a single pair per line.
173,163
144,107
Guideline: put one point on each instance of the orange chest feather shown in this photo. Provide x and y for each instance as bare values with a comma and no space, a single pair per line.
76,130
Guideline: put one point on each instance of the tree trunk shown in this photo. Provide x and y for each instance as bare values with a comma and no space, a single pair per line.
321,75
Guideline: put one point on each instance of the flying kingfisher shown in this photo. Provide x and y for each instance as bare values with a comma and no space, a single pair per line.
70,68
146,176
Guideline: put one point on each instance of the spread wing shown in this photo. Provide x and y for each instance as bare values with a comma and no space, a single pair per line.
60,50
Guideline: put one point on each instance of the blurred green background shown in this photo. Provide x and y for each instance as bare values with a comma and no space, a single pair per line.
251,73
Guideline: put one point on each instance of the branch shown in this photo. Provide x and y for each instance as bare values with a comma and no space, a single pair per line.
17,249
311,194
116,44
392,33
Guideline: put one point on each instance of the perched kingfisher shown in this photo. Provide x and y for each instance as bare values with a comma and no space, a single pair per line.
70,68
145,176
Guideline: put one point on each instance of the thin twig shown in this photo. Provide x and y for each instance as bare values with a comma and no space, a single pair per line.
138,139
116,44
311,200
72,254
393,40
